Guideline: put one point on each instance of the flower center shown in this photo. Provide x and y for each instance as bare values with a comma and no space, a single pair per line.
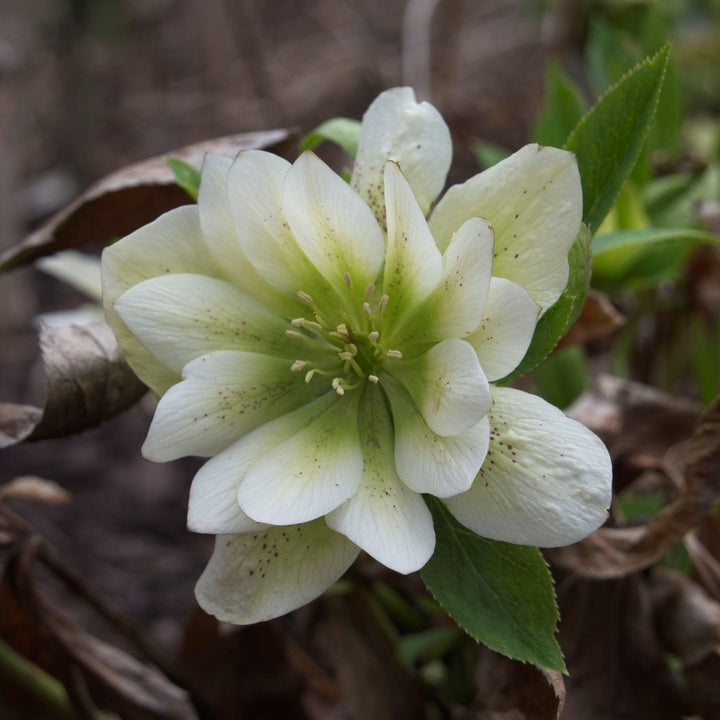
345,354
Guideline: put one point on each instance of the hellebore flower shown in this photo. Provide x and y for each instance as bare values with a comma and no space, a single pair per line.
331,350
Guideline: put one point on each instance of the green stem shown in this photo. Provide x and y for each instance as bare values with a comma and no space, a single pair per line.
36,681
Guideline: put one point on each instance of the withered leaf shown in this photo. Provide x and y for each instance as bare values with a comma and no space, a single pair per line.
37,489
128,199
509,689
86,380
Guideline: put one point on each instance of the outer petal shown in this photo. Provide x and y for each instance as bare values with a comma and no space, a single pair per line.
546,480
506,329
429,463
414,135
448,386
171,244
384,517
413,264
216,220
312,471
455,307
182,316
332,225
534,201
259,576
223,395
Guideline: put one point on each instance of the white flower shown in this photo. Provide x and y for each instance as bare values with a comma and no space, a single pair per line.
331,351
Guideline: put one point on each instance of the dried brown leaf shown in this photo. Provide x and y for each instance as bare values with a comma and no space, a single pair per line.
93,672
614,552
86,379
507,687
616,662
128,199
36,489
598,318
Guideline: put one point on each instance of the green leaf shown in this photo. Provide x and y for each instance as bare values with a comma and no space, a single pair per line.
562,109
487,154
500,594
556,321
608,140
186,176
341,131
636,259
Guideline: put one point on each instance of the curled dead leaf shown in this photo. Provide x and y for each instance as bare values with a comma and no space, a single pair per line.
30,487
615,552
86,380
129,199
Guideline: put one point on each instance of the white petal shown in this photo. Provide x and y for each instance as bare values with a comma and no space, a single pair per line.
312,471
533,199
385,518
448,386
414,135
223,395
171,244
546,480
455,307
413,264
429,463
213,507
216,220
506,329
259,576
332,225
180,317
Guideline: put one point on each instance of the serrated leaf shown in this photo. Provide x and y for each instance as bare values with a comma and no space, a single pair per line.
608,140
186,176
557,320
636,259
500,594
562,108
342,131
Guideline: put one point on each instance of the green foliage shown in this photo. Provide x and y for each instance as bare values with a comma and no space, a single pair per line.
562,109
556,321
637,259
488,154
341,131
186,176
563,377
608,140
500,594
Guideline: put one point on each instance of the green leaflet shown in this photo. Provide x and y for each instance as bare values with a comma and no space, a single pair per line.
500,594
608,140
556,321
562,108
635,259
341,131
186,176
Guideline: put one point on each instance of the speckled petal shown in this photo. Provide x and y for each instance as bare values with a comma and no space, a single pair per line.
506,330
180,317
309,472
396,127
222,396
384,517
171,244
261,575
546,481
427,462
534,201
